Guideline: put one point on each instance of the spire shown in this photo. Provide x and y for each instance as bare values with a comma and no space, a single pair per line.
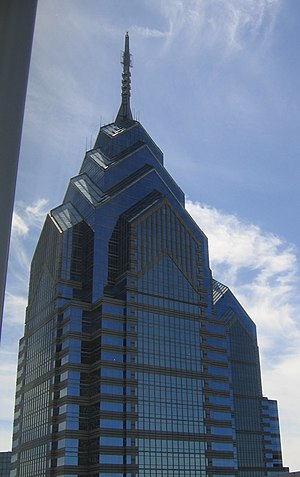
124,113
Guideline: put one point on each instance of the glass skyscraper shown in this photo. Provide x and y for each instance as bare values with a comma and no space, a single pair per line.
134,361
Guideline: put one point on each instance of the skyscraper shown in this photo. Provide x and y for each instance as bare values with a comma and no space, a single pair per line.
134,361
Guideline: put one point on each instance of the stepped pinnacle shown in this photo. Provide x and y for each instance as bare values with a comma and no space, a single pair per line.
124,113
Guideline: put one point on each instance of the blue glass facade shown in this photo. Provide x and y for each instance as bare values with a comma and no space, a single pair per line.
134,362
5,458
256,417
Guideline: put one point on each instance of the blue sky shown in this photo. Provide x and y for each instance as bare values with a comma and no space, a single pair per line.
216,85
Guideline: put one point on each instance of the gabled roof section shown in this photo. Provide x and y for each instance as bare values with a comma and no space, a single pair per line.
219,290
229,309
65,216
112,129
99,158
131,179
142,206
113,140
89,189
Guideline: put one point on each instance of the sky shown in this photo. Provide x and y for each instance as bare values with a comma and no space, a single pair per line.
216,85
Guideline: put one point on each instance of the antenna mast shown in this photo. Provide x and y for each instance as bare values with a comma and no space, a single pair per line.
124,113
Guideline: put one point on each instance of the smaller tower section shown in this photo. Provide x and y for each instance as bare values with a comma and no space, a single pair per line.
124,113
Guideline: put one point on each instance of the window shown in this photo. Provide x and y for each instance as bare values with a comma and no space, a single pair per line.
68,444
224,401
221,431
111,441
214,356
220,415
111,423
223,463
112,356
222,446
112,340
112,373
112,325
217,342
111,389
112,406
217,371
221,386
111,459
67,460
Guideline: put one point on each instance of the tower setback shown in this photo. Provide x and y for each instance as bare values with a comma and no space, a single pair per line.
134,361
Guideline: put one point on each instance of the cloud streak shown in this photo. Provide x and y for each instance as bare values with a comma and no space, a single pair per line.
26,218
149,32
229,24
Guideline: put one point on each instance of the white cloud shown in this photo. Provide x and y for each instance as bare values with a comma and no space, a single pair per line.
263,272
19,227
149,32
229,24
261,269
8,378
36,212
14,310
239,244
26,218
6,430
284,381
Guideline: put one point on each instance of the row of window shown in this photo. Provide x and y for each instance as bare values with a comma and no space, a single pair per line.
170,410
170,323
159,473
171,445
175,425
150,300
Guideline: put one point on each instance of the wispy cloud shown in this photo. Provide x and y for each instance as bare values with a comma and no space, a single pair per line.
149,32
239,244
230,24
36,212
30,216
15,306
26,218
7,371
283,381
19,227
